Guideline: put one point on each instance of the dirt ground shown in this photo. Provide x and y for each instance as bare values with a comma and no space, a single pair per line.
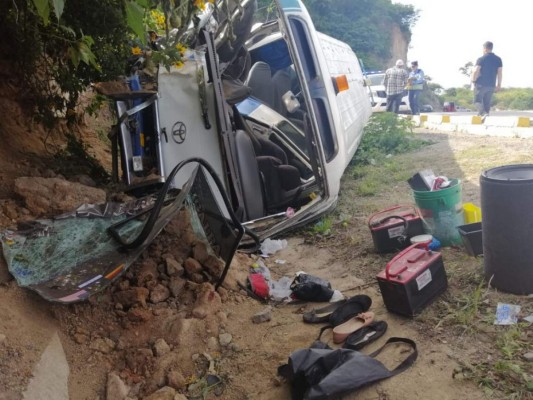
208,334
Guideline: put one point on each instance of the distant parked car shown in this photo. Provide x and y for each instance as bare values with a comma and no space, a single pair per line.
448,106
378,97
462,109
426,108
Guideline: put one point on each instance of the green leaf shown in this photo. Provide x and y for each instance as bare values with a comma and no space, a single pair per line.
143,3
134,18
74,56
82,52
59,5
86,54
67,29
43,9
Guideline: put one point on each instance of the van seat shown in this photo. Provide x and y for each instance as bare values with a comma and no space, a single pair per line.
281,182
259,80
281,82
249,176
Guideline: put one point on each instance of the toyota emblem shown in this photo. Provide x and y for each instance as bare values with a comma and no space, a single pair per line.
179,132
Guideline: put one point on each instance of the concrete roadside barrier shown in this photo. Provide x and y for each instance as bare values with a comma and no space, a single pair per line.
497,125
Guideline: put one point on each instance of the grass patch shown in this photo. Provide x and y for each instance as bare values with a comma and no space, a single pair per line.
322,227
386,134
373,165
375,178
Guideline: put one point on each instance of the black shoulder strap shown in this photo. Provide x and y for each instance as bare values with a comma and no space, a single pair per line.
409,360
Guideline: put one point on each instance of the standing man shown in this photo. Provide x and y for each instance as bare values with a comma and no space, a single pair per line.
415,85
487,79
395,81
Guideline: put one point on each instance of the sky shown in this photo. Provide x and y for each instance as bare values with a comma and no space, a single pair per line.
450,33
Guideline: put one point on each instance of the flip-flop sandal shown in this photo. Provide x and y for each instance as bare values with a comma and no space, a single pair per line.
319,315
342,331
353,306
361,337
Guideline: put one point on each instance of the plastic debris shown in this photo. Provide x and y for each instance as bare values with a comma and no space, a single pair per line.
506,314
280,290
434,245
270,246
259,267
310,288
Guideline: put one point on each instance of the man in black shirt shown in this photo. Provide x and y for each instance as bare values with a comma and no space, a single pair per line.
487,79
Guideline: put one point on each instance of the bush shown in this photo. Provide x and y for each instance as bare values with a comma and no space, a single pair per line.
45,54
385,134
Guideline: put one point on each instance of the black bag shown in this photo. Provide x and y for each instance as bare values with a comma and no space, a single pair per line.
323,373
311,288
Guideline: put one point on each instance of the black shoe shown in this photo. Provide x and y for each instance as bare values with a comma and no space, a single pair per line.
319,315
365,335
354,305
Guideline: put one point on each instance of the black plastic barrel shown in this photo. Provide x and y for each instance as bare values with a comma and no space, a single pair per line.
507,227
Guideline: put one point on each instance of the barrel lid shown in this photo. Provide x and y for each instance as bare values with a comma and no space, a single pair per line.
518,172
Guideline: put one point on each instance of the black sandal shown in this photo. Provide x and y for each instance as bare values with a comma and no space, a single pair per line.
353,306
367,334
319,315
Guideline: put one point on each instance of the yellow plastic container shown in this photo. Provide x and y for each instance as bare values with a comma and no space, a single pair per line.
472,213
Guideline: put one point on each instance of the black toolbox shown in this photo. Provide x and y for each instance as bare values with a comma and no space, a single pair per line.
392,228
412,280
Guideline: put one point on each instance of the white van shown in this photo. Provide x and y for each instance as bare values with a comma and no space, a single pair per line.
277,114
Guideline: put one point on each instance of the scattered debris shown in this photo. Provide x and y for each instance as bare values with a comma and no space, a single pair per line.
506,314
426,180
529,318
270,246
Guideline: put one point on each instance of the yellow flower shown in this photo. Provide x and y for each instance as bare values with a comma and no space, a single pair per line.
159,18
136,50
181,48
199,4
178,64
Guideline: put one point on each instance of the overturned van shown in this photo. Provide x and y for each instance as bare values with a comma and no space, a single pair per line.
276,110
250,136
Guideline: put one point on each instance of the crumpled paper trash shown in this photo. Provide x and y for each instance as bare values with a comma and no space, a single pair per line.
506,314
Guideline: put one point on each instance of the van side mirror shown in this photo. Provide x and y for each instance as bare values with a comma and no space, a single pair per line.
290,102
367,82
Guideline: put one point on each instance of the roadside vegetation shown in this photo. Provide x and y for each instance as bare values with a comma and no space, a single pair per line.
506,99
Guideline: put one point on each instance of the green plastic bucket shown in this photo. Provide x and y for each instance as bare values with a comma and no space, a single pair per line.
442,212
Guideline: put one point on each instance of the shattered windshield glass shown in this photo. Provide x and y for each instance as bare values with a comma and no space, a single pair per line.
73,256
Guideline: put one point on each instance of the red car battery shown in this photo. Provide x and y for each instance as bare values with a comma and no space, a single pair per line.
412,280
392,228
